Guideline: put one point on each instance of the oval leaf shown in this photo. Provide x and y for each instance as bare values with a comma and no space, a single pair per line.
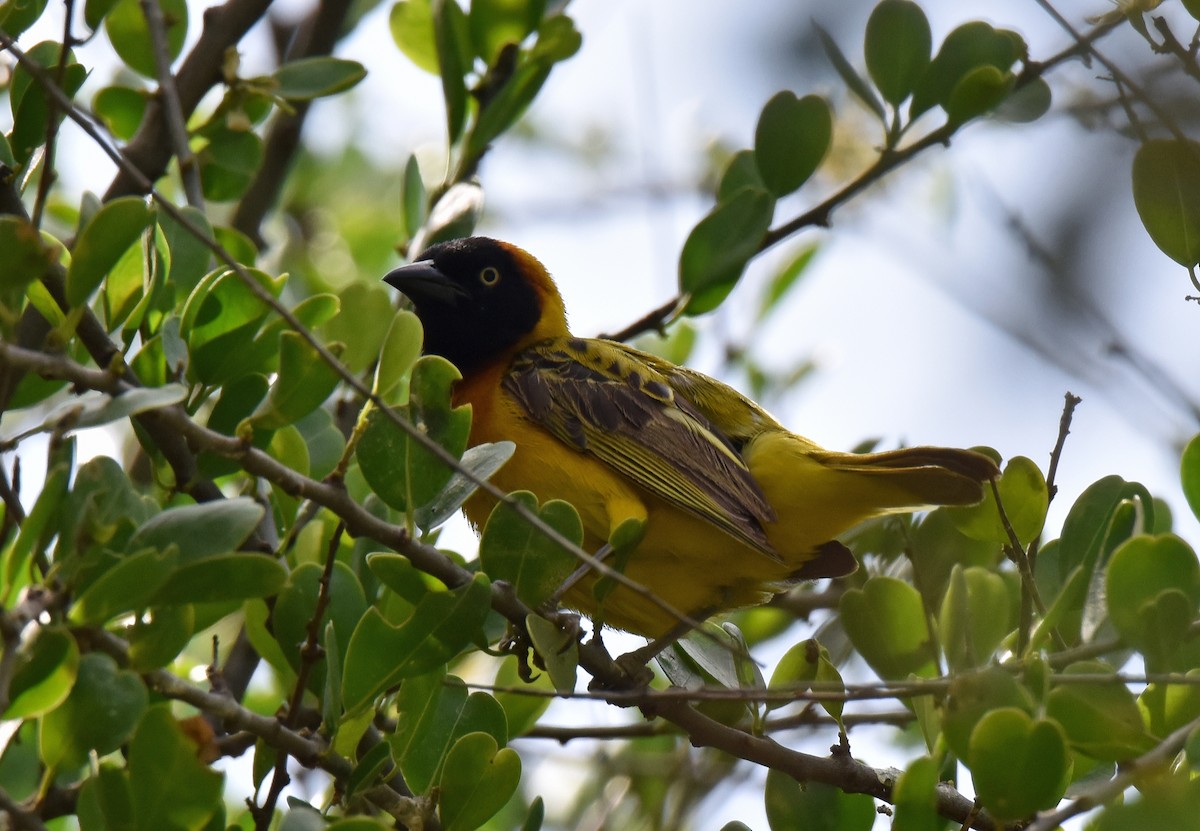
310,78
117,226
1166,192
791,139
897,48
718,248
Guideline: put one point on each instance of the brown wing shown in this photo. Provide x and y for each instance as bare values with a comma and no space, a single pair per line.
600,399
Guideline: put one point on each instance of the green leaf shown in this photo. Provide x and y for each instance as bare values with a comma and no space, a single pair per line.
477,463
972,45
432,712
18,15
104,240
1189,474
401,348
1166,192
105,800
559,651
94,12
1028,102
1025,498
791,139
1153,591
128,586
969,639
317,77
787,277
414,200
972,696
362,322
718,248
100,714
379,654
26,258
401,472
814,806
200,531
741,172
42,522
121,109
190,257
513,550
156,641
411,25
479,777
303,383
223,577
1019,765
450,34
980,91
130,36
228,161
97,409
45,670
915,798
885,620
170,786
1168,707
30,104
1100,720
897,48
557,40
498,23
220,319
849,76
802,665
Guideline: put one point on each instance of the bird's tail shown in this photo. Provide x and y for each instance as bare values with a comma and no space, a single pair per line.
920,477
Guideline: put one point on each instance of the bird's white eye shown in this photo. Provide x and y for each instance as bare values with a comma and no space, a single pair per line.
490,276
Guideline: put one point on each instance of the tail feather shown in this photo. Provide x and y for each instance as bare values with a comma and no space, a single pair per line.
933,475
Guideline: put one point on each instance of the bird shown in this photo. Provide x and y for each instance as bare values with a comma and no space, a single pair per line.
717,504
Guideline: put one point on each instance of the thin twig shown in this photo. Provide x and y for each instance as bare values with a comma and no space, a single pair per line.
1088,43
1070,402
172,109
1186,57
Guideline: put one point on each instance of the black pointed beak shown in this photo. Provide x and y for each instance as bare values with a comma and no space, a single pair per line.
422,282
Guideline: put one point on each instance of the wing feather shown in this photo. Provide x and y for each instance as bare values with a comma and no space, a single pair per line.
601,399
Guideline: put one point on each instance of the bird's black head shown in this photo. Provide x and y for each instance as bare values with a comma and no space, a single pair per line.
478,299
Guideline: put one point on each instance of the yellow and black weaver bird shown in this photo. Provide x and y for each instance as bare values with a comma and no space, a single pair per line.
731,506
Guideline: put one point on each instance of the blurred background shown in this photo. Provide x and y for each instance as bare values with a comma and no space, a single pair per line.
954,303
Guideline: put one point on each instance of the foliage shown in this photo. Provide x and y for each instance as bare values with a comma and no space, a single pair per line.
290,458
